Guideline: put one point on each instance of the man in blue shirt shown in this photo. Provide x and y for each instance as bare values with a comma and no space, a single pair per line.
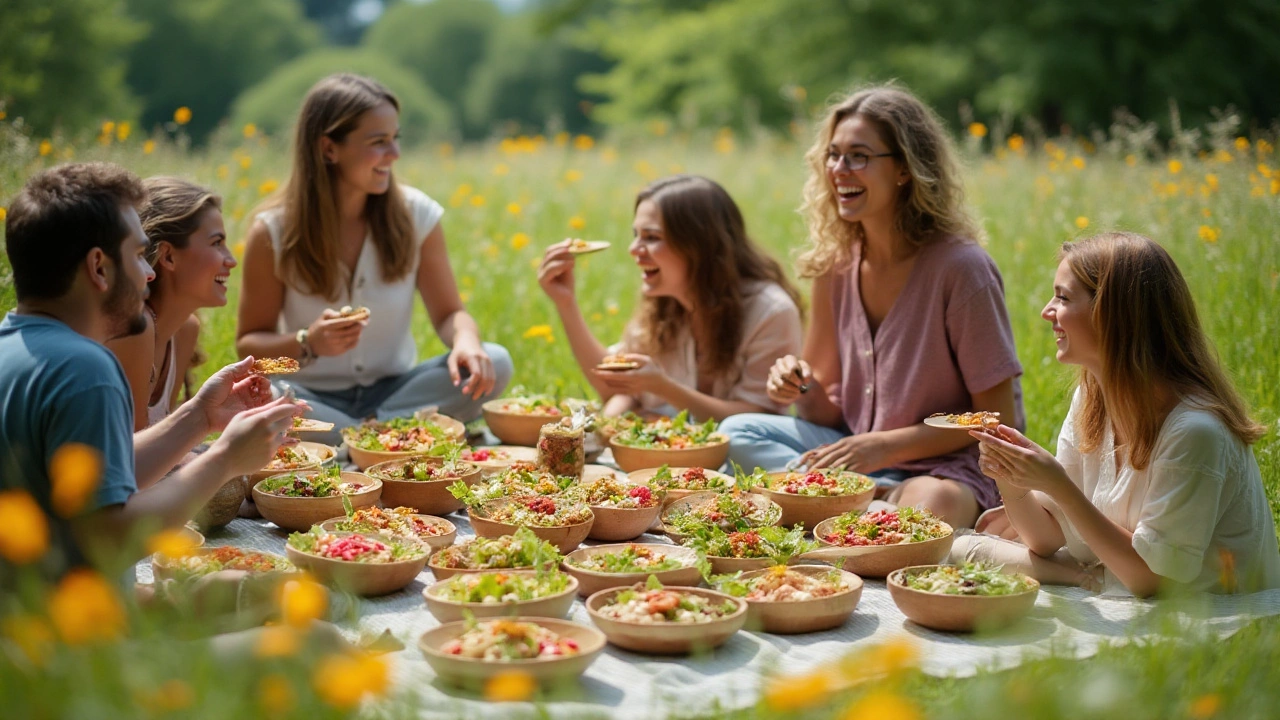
76,247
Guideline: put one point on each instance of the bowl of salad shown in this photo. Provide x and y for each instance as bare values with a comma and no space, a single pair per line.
546,649
365,564
493,459
748,550
432,531
680,482
650,618
206,560
422,482
731,511
498,593
788,600
962,598
874,544
522,550
302,456
812,496
520,480
608,566
673,441
518,420
622,511
561,521
374,442
298,500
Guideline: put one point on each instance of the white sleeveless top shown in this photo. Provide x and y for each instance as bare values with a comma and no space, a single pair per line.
386,347
160,409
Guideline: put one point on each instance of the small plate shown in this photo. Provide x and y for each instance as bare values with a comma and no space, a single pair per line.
302,425
951,421
585,247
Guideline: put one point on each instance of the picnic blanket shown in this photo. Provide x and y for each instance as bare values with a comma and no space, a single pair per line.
1068,622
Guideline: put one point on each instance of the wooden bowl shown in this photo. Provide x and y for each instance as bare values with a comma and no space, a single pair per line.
566,538
591,582
617,524
365,459
435,542
515,428
223,507
595,472
878,561
165,568
642,477
300,513
444,573
430,497
516,453
725,565
958,613
695,498
325,453
629,458
810,510
365,579
552,606
804,616
472,671
667,638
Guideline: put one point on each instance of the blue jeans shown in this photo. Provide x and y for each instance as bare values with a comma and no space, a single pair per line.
426,384
759,440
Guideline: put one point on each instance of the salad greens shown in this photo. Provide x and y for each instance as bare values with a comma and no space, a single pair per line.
968,579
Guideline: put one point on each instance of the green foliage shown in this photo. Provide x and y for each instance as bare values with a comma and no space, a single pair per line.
273,103
202,53
61,63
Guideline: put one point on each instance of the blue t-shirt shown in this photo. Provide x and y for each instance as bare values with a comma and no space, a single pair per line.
58,387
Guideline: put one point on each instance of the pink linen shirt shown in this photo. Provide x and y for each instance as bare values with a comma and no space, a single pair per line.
946,337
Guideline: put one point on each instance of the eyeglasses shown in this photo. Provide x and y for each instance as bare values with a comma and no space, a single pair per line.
855,160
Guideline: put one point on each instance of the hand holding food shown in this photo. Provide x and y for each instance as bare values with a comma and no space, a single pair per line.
555,274
640,374
233,389
334,334
1007,456
578,246
251,439
789,378
983,419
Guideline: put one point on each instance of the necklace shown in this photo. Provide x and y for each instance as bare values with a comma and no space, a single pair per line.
152,382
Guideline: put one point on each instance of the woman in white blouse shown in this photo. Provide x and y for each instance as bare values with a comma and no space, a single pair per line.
716,311
1154,483
344,233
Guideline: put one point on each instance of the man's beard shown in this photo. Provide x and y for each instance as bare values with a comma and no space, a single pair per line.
123,308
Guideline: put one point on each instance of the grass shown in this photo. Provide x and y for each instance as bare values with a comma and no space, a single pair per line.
1216,214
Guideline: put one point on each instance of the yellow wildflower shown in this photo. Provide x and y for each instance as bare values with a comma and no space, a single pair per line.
3,114
148,147
791,693
1130,159
584,142
342,680
572,175
724,141
85,608
501,169
511,686
1175,167
1264,147
46,147
31,635
242,183
238,248
122,131
275,695
1016,143
1082,222
1264,170
277,641
1275,186
302,601
3,213
267,187
249,131
1223,156
1206,212
597,316
171,543
519,241
577,222
1077,162
881,704
879,661
1209,234
171,696
108,128
514,208
539,331
477,201
75,471
1257,191
977,130
611,308
246,162
1211,180
182,115
222,172
1242,143
1205,706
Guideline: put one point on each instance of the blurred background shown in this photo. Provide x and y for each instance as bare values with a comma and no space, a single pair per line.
477,69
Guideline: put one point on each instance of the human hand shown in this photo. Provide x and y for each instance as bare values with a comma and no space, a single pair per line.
252,437
332,334
864,453
1007,456
648,377
481,376
232,390
788,379
555,274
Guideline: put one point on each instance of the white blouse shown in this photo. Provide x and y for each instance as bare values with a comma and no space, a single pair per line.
1198,506
386,347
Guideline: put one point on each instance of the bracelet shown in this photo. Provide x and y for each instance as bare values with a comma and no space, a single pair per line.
308,355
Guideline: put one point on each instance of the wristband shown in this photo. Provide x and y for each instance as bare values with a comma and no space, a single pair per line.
308,355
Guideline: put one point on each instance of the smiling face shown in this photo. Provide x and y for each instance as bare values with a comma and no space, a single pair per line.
871,193
665,270
202,268
362,160
1071,314
128,290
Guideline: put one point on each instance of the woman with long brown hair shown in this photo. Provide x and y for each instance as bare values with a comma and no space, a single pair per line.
344,234
1154,482
908,316
715,311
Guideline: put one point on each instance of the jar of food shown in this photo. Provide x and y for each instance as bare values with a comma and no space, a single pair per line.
560,448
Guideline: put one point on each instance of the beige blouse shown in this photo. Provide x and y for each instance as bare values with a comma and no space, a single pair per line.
771,329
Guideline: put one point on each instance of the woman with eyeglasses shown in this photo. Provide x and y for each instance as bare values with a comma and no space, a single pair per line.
908,317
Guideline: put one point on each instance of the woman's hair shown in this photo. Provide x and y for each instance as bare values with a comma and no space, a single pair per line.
704,226
172,213
1148,335
931,206
309,246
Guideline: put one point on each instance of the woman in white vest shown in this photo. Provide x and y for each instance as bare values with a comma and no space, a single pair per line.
343,234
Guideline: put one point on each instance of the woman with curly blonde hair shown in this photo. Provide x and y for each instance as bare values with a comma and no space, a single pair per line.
908,316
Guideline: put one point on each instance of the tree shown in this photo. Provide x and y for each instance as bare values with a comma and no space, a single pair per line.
61,62
201,54
273,104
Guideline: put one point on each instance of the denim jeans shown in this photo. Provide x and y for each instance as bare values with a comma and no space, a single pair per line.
772,441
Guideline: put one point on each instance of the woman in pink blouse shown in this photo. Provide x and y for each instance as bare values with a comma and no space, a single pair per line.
716,311
908,317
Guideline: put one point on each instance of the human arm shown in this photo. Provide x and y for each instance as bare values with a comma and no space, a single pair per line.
453,324
649,378
555,277
818,371
136,354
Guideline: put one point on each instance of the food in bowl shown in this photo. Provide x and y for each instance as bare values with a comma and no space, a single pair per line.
521,479
536,511
400,521
886,527
210,560
519,550
396,435
968,579
610,492
537,405
729,511
653,604
291,458
429,471
781,584
674,433
632,559
508,640
821,482
502,587
365,548
776,543
694,479
310,485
